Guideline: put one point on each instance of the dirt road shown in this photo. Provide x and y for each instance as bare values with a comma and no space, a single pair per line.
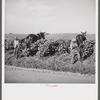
25,75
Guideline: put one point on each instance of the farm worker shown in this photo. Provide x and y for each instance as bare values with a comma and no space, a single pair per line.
73,47
16,46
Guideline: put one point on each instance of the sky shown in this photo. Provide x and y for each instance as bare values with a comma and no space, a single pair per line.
51,16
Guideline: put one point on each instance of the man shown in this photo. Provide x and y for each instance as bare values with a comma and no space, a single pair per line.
74,51
16,46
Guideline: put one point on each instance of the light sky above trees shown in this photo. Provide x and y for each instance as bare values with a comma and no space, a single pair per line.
53,16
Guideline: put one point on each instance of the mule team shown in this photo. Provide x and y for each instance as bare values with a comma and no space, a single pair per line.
32,38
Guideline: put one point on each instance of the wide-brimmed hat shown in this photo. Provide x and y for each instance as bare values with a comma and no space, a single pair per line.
73,40
16,38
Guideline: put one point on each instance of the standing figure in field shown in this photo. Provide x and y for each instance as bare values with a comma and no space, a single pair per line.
16,46
81,38
75,55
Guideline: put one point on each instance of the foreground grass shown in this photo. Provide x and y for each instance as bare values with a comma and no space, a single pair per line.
55,63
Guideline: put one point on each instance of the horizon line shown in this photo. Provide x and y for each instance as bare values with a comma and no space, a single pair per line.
50,33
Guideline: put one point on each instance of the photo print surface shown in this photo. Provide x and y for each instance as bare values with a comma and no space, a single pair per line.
50,41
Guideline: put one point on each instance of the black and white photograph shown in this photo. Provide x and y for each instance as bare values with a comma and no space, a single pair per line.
50,41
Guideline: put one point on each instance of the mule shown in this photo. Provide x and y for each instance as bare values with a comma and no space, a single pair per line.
31,38
80,38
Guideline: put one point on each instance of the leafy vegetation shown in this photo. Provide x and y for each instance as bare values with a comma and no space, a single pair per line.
53,54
